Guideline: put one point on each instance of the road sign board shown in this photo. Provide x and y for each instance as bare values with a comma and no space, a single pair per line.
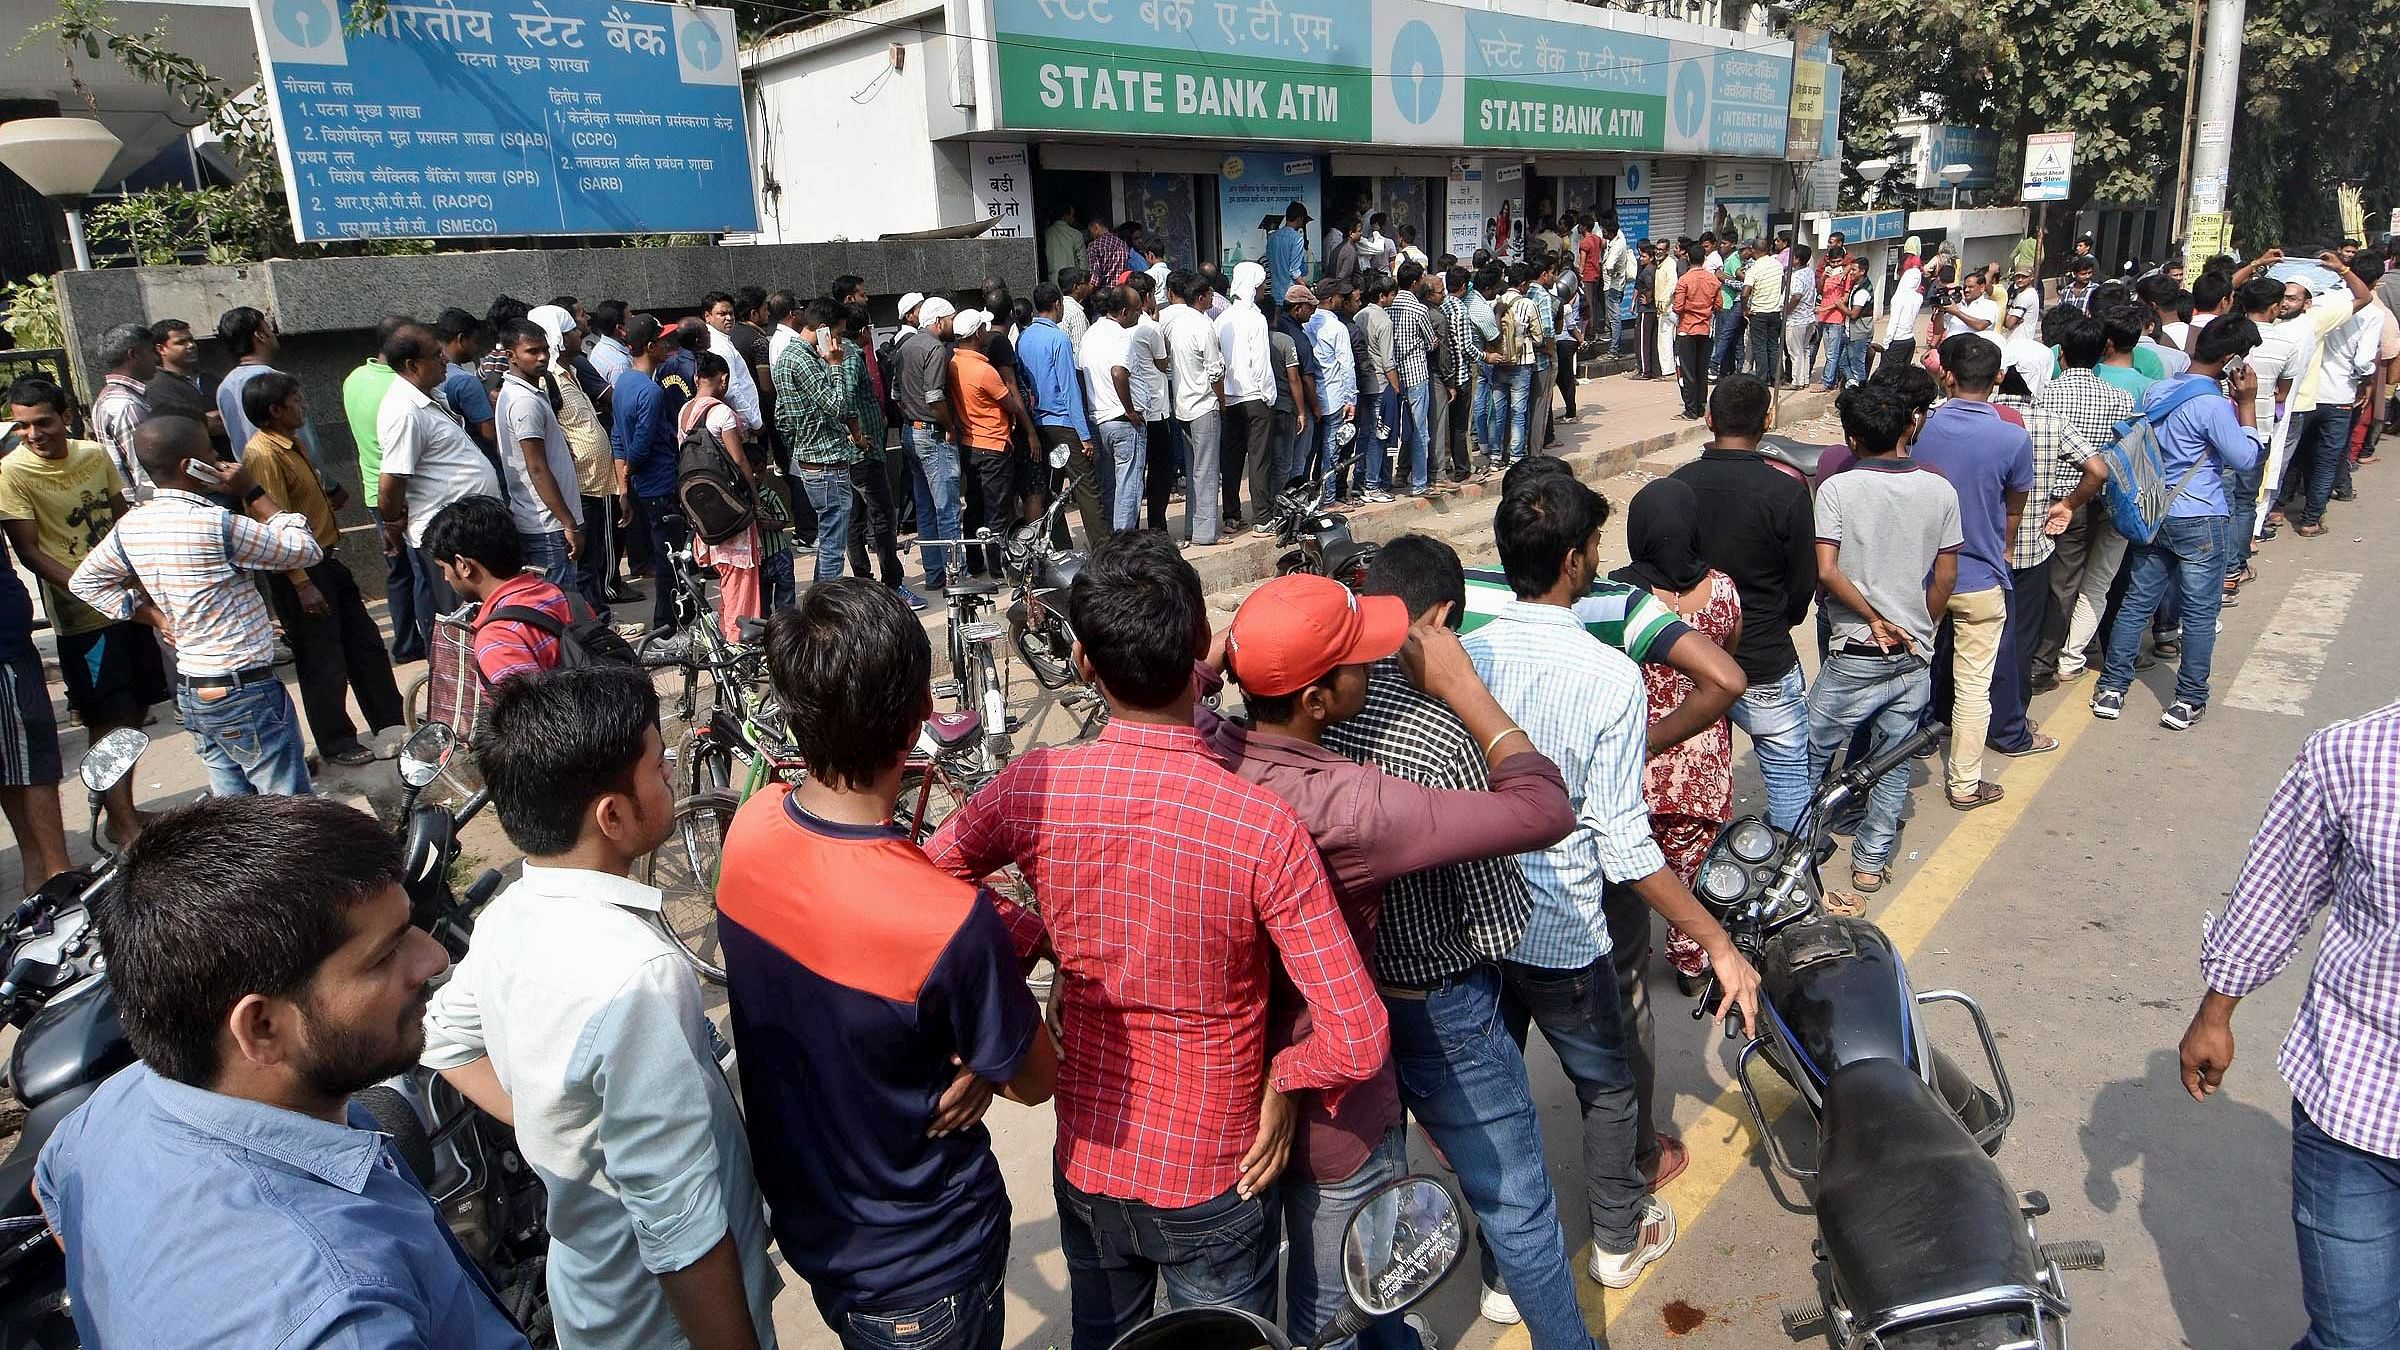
2049,166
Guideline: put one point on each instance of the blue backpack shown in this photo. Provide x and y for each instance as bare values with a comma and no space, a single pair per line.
2136,493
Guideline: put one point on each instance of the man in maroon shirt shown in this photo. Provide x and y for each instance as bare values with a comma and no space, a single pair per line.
1167,884
1300,647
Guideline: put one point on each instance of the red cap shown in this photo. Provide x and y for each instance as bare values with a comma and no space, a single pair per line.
1295,629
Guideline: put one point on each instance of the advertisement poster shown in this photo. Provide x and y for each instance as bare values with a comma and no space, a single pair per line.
1255,184
1162,204
1402,201
1737,201
1003,187
1464,208
1633,217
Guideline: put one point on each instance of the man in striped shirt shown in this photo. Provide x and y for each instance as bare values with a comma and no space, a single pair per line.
187,556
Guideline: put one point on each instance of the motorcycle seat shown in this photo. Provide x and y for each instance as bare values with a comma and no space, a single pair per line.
17,1200
1909,1207
977,586
752,631
952,730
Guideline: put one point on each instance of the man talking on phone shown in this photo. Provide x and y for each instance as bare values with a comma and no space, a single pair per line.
177,562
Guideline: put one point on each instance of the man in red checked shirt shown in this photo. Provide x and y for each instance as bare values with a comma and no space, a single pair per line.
1167,885
474,543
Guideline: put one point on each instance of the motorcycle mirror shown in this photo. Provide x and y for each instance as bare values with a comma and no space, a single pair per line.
1058,457
111,758
425,752
1403,1240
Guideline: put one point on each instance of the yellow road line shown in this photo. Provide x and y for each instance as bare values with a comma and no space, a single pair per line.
1722,1138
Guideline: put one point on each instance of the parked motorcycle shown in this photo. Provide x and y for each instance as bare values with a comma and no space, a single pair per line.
1922,1242
1403,1239
1038,625
1318,542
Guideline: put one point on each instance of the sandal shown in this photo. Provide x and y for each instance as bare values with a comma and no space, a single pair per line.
1844,905
1866,883
1983,795
352,756
2042,745
2308,531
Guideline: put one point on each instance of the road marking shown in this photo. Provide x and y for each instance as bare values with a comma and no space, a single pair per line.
2284,664
1722,1138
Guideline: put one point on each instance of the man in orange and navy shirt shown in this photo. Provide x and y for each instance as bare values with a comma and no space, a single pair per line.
879,1000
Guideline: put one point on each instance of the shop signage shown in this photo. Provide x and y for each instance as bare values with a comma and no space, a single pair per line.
1392,72
1805,139
2049,166
1003,187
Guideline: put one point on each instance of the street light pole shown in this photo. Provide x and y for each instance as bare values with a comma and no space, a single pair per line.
2220,85
2191,94
62,158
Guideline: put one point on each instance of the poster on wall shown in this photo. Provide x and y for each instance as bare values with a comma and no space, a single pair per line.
1402,201
1633,217
1464,208
1737,201
1255,184
1161,203
1003,187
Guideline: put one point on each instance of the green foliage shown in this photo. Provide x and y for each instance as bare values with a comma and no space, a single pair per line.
32,306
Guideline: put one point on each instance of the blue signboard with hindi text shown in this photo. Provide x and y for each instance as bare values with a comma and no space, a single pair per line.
453,119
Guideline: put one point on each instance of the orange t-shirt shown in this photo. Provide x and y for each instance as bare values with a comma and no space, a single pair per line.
978,390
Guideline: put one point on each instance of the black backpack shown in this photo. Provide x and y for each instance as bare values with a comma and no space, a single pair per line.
583,640
887,360
716,499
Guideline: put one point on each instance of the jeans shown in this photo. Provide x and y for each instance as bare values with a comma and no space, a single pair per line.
1628,919
668,534
1204,494
248,738
828,488
972,1318
1507,404
2241,494
433,596
1123,444
2346,1212
2327,452
1416,422
1326,453
1856,347
1218,1253
1774,714
1537,404
336,654
2012,675
1887,695
1080,480
1726,329
1292,448
412,628
1316,1217
870,506
2189,557
1835,341
1463,1079
933,481
1579,1015
1612,317
598,565
1766,347
547,554
995,475
1691,363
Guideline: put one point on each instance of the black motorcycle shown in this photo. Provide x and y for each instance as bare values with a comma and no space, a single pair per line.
1038,626
1922,1242
1319,542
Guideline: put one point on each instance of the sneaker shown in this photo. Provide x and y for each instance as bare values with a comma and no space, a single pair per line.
1618,1270
1499,1307
2179,716
1426,1340
2109,704
1378,495
1262,529
913,600
388,742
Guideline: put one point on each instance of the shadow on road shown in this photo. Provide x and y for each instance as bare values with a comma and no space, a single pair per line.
2214,1192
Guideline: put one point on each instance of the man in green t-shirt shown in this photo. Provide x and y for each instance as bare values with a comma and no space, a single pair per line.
362,400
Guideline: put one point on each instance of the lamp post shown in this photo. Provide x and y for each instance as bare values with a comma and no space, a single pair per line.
1955,174
1873,171
61,158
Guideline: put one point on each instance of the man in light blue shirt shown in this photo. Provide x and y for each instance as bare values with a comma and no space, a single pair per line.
225,1191
1583,705
1047,355
2201,434
1337,380
1287,249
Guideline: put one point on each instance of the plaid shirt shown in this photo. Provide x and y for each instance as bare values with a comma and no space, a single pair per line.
1442,920
118,410
2059,451
1412,338
1458,341
813,406
1585,707
1107,257
190,555
1166,885
2092,407
2331,840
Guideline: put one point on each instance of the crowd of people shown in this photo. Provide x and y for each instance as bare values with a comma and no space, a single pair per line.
1447,814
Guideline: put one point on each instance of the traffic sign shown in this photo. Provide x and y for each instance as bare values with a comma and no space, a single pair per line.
2049,166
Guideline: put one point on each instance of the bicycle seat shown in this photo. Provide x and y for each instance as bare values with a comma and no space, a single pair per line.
752,631
952,730
978,586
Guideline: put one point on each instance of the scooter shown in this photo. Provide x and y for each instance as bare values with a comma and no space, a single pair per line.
1315,541
1403,1239
1922,1242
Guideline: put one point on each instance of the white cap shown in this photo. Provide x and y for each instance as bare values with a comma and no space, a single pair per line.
970,322
910,301
933,311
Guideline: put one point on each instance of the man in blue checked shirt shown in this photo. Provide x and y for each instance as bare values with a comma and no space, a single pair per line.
1047,356
1583,705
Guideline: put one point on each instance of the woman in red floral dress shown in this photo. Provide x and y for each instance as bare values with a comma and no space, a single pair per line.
1689,786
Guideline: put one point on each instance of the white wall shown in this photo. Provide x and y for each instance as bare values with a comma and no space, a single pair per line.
849,141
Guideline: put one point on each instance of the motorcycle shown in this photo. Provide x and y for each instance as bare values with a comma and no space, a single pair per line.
1038,625
1319,542
1921,1241
1403,1239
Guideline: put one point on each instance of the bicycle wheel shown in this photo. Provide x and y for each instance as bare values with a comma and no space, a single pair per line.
684,869
415,703
707,763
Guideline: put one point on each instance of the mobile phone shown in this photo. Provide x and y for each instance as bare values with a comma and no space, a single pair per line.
205,471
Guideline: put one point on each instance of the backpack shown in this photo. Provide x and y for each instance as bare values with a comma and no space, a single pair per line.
2136,493
583,640
1509,347
716,499
887,360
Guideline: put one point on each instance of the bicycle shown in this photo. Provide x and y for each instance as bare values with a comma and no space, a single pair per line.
973,633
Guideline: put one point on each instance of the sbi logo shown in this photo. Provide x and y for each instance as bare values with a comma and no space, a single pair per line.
303,23
701,45
1417,72
1691,96
1633,180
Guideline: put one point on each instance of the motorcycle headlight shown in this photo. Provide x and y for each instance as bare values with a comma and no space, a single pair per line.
1723,881
1751,841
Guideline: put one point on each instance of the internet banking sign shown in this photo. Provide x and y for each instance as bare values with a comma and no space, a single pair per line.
475,118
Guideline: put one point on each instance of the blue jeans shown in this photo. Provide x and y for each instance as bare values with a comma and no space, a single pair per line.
1727,326
1774,714
1417,421
828,489
1316,1217
1463,1078
2325,455
933,479
1326,453
1834,339
1122,446
1855,350
2241,494
1218,1253
1582,1018
1503,421
1613,305
1389,426
547,554
2346,1210
2188,557
969,1318
1887,695
249,739
412,629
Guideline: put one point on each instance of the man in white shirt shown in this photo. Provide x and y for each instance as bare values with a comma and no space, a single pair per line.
574,1017
2346,365
1900,337
1800,326
1244,338
741,387
1146,344
2024,305
429,461
541,468
1976,311
1196,381
1106,360
2314,432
